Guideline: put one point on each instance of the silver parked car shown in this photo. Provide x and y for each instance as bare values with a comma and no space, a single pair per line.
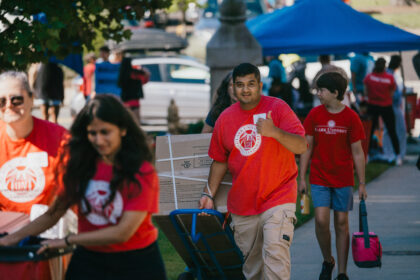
175,77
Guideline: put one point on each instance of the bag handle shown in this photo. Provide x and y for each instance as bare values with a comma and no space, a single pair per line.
363,224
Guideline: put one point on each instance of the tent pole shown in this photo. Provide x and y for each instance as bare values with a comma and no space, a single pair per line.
406,119
402,71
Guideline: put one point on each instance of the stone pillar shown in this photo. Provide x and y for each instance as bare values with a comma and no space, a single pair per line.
232,43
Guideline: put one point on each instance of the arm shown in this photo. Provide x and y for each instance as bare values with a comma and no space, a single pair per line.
118,233
294,143
359,162
353,82
39,225
217,172
303,164
207,128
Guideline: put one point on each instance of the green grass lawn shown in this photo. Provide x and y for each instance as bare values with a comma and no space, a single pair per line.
175,265
409,17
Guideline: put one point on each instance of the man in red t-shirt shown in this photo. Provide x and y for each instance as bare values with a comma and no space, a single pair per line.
334,133
29,148
257,139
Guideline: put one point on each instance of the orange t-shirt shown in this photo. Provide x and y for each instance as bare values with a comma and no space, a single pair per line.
27,166
263,171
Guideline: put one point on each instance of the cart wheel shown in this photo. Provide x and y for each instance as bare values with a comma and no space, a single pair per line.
186,276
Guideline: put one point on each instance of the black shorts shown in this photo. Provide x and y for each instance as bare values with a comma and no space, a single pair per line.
145,264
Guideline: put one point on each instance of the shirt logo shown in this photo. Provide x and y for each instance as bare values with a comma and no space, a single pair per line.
97,195
22,178
247,140
331,123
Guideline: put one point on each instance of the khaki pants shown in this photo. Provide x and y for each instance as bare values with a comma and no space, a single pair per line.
265,240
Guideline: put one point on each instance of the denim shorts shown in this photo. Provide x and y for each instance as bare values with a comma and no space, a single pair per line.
51,102
338,199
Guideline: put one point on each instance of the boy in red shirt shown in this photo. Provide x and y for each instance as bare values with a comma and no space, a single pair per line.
334,133
257,139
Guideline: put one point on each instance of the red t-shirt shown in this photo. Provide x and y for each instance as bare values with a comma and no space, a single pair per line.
27,166
263,171
380,87
332,160
130,198
88,72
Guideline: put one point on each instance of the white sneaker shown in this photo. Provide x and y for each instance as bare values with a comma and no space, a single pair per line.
398,161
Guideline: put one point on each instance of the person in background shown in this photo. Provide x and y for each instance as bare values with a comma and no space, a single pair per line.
380,87
360,65
334,133
225,98
276,69
107,173
398,106
131,81
88,74
104,53
257,139
49,87
30,148
106,73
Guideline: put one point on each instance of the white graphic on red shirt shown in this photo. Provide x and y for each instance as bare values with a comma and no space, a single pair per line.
97,194
331,128
22,178
247,140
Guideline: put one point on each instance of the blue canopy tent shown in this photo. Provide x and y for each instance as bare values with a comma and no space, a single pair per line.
312,27
72,61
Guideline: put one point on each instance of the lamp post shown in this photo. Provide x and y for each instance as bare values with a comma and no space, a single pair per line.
232,43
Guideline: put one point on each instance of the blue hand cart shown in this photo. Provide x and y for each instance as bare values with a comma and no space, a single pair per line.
212,252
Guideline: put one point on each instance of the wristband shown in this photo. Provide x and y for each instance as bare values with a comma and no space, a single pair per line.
66,240
362,183
206,194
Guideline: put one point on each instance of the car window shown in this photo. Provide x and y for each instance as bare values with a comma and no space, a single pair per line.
181,73
154,72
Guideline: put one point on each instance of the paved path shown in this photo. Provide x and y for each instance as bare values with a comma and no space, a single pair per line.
393,207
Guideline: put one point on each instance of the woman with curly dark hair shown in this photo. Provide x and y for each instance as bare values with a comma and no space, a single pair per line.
225,98
107,174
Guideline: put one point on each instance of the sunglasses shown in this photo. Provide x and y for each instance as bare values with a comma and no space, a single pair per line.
14,100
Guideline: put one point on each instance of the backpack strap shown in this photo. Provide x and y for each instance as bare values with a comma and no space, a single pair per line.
363,224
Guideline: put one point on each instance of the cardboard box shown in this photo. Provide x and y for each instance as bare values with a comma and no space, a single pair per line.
183,167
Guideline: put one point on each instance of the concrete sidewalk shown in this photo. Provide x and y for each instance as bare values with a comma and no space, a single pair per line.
393,207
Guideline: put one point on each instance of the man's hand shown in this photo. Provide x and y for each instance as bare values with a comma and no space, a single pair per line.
266,127
205,202
302,188
362,192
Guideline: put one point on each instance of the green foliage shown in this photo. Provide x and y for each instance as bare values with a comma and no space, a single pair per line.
181,5
70,26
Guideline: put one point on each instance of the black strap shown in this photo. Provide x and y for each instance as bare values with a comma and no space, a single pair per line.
363,223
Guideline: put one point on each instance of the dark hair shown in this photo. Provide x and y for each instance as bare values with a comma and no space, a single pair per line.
244,69
333,81
104,49
324,59
395,62
379,65
223,98
81,157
